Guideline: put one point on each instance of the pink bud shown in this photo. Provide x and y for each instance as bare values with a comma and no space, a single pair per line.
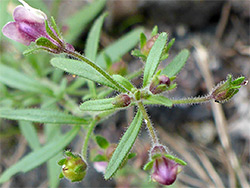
165,170
122,100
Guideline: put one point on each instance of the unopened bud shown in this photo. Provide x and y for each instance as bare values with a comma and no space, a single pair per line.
227,89
146,49
110,150
164,167
118,68
73,167
159,84
122,100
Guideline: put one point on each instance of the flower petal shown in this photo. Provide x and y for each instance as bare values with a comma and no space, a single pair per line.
11,31
22,14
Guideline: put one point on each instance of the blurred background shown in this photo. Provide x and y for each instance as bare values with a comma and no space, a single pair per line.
212,138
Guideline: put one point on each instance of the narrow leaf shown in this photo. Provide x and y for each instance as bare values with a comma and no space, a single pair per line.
154,58
18,80
41,116
79,21
94,37
175,66
124,146
38,157
157,99
30,134
82,69
123,81
117,49
98,105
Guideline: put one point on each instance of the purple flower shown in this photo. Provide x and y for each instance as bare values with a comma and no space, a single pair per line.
29,24
165,170
100,166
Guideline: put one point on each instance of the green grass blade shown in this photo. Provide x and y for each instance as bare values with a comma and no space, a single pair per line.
153,59
124,146
117,49
15,79
79,21
38,157
41,116
30,134
175,66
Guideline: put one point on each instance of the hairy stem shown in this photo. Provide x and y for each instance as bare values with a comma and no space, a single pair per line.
87,137
96,67
148,123
192,100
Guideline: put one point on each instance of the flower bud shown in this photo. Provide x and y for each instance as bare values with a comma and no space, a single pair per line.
165,167
159,84
227,89
122,100
147,47
73,167
118,68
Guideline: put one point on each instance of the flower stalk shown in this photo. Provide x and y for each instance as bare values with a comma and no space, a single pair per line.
148,123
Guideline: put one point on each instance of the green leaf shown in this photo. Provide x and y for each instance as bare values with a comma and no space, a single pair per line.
120,47
82,69
98,105
94,37
143,40
99,158
154,58
175,66
15,79
79,21
38,157
41,116
148,166
123,81
102,142
154,31
131,155
157,99
124,146
30,134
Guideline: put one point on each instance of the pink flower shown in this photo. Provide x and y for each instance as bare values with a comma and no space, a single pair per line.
29,24
100,166
165,170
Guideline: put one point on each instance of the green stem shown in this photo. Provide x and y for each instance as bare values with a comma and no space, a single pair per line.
148,123
87,137
192,100
96,67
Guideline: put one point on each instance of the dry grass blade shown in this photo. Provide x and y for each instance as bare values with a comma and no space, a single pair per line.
201,57
209,167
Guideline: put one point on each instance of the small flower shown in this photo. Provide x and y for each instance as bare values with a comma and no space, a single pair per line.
100,166
227,89
73,167
165,170
122,100
165,167
30,25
